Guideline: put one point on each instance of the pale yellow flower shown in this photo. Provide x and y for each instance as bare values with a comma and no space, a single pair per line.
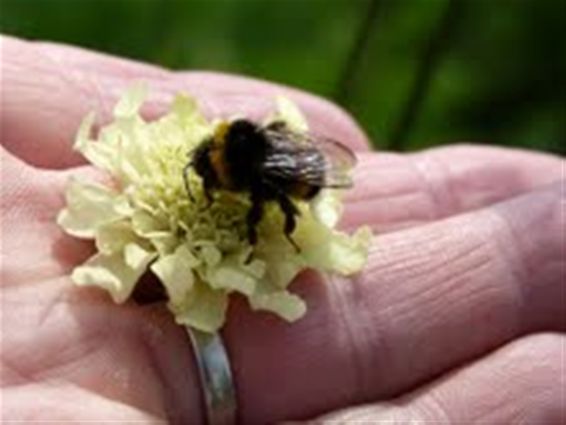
145,220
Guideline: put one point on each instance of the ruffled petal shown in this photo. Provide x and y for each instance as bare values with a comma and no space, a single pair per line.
129,105
234,274
89,206
348,254
114,236
203,308
286,305
112,273
175,271
327,208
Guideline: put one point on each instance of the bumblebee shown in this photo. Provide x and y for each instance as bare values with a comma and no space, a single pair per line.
273,164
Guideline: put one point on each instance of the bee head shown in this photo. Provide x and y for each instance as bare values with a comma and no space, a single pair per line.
242,130
201,160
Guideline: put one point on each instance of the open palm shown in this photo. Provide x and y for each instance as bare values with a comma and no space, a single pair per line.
458,317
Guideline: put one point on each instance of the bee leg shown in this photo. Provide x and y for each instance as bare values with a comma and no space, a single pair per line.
290,211
207,189
254,217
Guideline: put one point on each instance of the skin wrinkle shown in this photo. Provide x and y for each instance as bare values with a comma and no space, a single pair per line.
34,198
74,82
389,190
472,293
19,271
60,401
519,363
100,398
437,179
511,169
210,81
513,245
88,85
433,410
112,398
388,220
510,249
467,170
66,355
166,398
49,371
95,352
415,192
12,165
351,309
415,264
525,367
471,269
12,375
432,299
39,212
10,116
59,298
88,341
96,62
154,334
148,336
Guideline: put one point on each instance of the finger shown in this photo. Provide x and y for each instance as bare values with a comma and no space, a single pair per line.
431,298
47,91
393,191
90,61
34,248
146,346
520,383
62,335
63,402
231,93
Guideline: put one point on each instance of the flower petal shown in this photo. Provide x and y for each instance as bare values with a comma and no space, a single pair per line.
282,263
185,110
129,105
144,223
334,251
233,274
164,242
176,273
203,308
288,306
82,138
111,273
114,236
211,255
137,257
88,206
349,253
288,112
327,208
201,255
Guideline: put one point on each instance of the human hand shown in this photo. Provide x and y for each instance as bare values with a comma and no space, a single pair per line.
458,317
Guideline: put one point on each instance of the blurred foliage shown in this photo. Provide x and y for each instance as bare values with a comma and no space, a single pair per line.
415,73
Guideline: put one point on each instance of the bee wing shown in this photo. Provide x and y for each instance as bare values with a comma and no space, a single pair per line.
305,158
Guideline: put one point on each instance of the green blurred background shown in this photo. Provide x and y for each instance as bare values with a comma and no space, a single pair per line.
415,73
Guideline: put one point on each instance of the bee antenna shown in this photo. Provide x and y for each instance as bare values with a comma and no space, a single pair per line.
186,180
